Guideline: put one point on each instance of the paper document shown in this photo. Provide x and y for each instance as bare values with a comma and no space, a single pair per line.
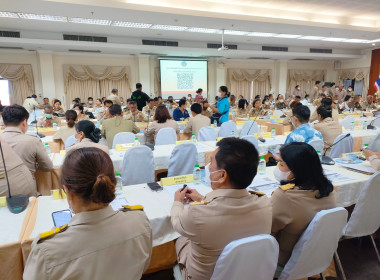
262,181
118,203
359,167
202,189
336,177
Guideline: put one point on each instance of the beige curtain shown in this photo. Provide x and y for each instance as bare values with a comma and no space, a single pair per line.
84,81
305,79
20,79
356,74
239,82
157,81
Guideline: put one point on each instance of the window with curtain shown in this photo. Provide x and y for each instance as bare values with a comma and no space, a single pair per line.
360,76
4,92
305,79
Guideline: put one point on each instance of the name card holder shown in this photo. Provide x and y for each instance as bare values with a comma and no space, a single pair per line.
177,180
58,194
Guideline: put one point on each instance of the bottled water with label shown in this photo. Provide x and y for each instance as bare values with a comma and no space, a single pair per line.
233,134
365,125
273,133
119,185
215,123
137,142
194,139
47,147
262,165
197,174
54,125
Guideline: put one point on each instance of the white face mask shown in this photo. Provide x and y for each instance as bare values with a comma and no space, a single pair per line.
207,178
280,175
336,101
349,89
298,88
266,103
281,100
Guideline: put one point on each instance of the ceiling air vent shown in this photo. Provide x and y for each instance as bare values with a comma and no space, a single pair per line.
302,59
85,51
11,48
84,38
321,50
274,49
258,58
11,34
218,46
160,43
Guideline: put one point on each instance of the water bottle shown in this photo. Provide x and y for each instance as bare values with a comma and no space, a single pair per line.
365,125
215,123
353,125
319,155
365,146
97,125
197,175
54,125
47,148
119,185
273,134
362,114
262,165
233,133
268,114
194,139
137,142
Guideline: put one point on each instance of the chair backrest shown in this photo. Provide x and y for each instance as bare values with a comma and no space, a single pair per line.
365,218
376,122
226,129
314,251
277,113
138,166
253,140
207,133
347,122
344,146
317,144
249,128
69,141
166,136
123,138
183,159
35,115
253,257
375,145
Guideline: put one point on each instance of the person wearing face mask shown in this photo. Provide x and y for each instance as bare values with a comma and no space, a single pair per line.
233,103
350,91
257,110
341,93
48,118
222,106
304,191
346,105
280,102
103,114
86,135
65,132
297,91
332,90
266,103
369,104
329,128
117,244
80,113
317,102
90,102
59,111
242,110
229,212
315,91
326,102
358,102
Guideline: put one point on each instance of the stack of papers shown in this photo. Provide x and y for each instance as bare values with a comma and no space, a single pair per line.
118,203
335,177
359,168
263,184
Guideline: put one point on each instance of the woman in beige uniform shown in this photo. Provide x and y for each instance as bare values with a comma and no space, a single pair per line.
65,132
98,243
304,191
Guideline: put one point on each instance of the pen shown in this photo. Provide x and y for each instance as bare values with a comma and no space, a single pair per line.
184,186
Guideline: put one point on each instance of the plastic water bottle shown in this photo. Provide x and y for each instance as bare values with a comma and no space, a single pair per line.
54,125
47,148
97,125
194,139
365,146
262,165
268,114
137,142
353,125
273,134
215,123
365,125
233,133
197,175
319,155
119,185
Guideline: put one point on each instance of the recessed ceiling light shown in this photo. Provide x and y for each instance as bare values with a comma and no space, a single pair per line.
373,44
356,41
90,21
169,27
374,41
334,39
42,17
311,38
131,24
290,36
261,34
8,15
235,32
204,30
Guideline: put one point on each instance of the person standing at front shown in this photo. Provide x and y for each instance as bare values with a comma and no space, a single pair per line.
140,97
222,106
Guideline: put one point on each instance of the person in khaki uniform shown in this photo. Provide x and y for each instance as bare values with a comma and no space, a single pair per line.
369,104
315,91
65,132
304,192
117,124
29,147
134,114
206,111
114,97
58,109
98,243
149,109
329,128
81,116
31,103
326,102
103,115
341,93
20,179
229,212
373,158
197,121
48,119
242,110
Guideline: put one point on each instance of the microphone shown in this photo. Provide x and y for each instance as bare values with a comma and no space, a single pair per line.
35,122
17,203
371,126
148,115
254,120
328,160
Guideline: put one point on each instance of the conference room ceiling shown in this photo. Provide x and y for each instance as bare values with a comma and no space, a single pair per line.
348,27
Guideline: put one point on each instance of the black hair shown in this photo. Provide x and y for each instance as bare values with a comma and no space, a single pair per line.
324,86
232,97
115,110
181,102
317,82
130,101
55,101
332,84
196,108
170,96
257,96
90,131
266,97
114,90
155,99
170,101
347,97
159,97
325,111
14,115
296,86
138,85
307,95
34,96
323,95
90,98
77,100
98,99
150,100
71,117
298,97
240,159
80,107
242,103
302,113
303,161
199,90
225,89
108,102
326,101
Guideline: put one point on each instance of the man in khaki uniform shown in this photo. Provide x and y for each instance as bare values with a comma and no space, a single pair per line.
369,104
197,121
374,159
150,107
341,93
326,102
48,119
315,91
31,103
329,128
227,213
332,90
29,147
114,97
20,179
104,114
117,124
134,114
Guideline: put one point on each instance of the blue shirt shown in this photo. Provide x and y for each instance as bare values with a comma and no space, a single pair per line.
303,133
177,114
223,106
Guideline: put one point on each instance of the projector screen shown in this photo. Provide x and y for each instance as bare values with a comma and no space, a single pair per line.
181,77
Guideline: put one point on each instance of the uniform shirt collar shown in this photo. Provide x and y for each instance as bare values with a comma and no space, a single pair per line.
233,193
86,140
12,129
92,216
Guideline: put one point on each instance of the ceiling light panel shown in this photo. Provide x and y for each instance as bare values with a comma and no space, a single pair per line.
261,34
90,21
235,32
131,24
8,15
311,38
290,36
356,41
204,30
42,17
334,39
169,27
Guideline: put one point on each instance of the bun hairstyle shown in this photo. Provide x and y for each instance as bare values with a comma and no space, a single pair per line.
225,89
71,117
89,173
90,131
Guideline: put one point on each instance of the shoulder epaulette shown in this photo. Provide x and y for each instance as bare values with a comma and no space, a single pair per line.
287,187
127,208
53,232
203,202
258,193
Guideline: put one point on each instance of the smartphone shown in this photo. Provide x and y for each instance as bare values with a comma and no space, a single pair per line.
155,187
61,218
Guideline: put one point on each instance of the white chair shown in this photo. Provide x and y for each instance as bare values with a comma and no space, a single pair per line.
344,146
375,145
253,140
253,257
315,249
166,136
35,115
347,122
138,166
249,128
317,144
70,141
183,159
277,113
365,218
226,129
376,123
123,138
207,133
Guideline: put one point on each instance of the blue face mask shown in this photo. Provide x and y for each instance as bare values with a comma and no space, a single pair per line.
89,102
168,106
48,116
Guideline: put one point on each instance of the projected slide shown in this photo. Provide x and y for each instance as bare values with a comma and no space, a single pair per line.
181,77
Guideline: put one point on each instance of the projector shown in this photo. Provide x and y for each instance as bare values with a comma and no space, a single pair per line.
223,48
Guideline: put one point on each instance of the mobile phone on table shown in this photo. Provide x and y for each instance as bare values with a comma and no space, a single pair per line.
61,218
155,187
